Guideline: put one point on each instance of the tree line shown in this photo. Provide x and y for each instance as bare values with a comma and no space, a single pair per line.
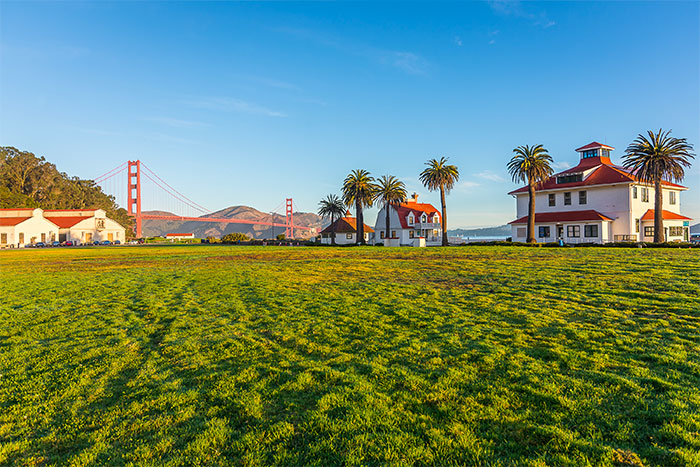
28,181
362,190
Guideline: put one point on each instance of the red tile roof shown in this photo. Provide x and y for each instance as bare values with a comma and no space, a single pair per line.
9,221
180,235
564,216
69,210
603,174
649,216
346,225
66,222
404,209
594,145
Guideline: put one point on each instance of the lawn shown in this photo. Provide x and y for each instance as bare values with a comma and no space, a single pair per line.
225,355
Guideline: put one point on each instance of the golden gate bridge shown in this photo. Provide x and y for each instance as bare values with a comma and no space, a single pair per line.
127,179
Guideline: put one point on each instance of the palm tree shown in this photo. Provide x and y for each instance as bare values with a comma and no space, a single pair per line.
656,157
332,207
531,165
358,189
440,176
390,191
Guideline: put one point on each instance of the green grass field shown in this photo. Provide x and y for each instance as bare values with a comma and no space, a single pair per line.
216,355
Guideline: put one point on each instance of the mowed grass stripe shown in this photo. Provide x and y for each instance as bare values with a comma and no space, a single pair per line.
217,355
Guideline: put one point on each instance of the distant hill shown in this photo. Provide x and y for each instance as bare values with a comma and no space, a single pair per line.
156,227
499,231
695,228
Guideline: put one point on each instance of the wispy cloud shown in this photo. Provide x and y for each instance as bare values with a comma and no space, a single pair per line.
175,122
458,41
279,84
489,175
228,104
406,61
466,186
172,139
561,165
515,8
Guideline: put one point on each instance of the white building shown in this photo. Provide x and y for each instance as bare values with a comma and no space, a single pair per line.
20,227
345,231
85,225
174,237
598,202
409,222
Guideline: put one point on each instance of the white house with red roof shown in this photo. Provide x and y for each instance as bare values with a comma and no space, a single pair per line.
598,202
345,231
85,225
173,237
410,222
20,227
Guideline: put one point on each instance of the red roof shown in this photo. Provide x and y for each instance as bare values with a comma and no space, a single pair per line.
346,225
594,145
17,209
404,209
8,221
565,216
66,222
649,216
603,174
69,210
179,235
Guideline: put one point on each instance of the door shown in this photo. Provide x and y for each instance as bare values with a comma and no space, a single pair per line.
3,239
21,237
560,232
110,237
88,237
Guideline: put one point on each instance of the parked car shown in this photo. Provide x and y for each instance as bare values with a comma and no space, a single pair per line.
106,242
695,238
40,244
117,242
55,243
68,243
96,242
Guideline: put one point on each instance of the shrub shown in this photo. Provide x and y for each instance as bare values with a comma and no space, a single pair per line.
235,237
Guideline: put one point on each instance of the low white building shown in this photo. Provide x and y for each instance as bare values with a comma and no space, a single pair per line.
598,202
85,225
409,222
345,231
20,227
173,237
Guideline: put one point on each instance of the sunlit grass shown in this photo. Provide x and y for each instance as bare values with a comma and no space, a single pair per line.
350,356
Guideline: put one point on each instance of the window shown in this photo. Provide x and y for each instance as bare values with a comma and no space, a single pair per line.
634,192
411,234
520,231
544,231
424,218
43,237
569,178
436,219
589,154
21,237
393,234
636,225
3,238
590,230
381,234
573,230
582,197
605,152
411,220
552,199
672,197
649,231
348,236
567,198
675,231
645,195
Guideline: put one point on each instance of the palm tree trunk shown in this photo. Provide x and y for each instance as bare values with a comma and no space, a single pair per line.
659,236
360,227
444,217
388,221
332,229
531,214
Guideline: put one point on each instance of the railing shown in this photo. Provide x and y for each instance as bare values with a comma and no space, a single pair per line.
625,238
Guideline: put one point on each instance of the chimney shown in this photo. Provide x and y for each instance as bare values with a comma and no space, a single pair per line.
414,197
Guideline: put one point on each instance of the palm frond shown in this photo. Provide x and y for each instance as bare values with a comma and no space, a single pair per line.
439,174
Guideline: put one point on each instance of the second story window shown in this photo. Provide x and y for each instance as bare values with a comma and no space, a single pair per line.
582,197
424,218
645,195
410,220
567,198
672,197
569,178
634,192
552,199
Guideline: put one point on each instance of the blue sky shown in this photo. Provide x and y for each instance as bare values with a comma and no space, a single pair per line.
248,103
